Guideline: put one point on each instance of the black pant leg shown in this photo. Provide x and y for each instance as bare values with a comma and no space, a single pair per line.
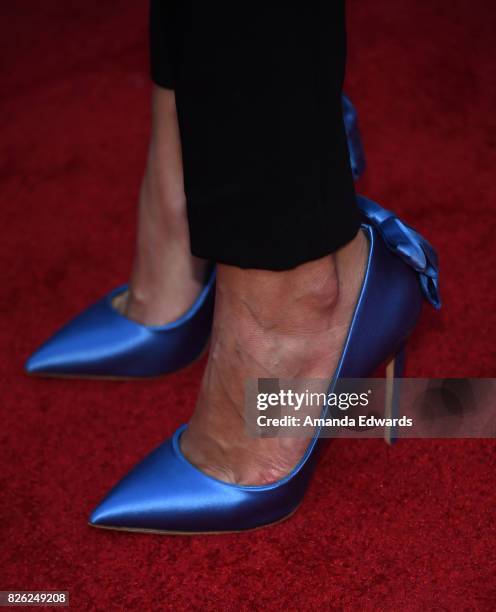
266,165
165,33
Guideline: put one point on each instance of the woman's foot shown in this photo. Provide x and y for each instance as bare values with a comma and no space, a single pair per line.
166,279
288,324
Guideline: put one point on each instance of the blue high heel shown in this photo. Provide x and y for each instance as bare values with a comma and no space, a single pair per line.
100,343
166,493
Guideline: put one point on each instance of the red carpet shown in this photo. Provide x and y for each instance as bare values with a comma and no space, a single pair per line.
408,528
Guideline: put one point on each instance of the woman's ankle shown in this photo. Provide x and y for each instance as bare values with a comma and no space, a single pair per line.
275,301
166,278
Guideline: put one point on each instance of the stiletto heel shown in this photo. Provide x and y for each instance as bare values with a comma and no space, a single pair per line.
394,373
166,493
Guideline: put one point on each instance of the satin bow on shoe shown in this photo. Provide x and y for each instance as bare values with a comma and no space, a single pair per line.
408,244
355,145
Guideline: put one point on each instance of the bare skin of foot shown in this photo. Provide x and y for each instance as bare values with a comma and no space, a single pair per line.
289,324
267,324
166,279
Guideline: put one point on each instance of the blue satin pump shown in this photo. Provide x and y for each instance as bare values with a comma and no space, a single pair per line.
100,343
167,494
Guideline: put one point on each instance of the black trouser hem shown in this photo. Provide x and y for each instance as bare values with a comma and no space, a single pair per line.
260,246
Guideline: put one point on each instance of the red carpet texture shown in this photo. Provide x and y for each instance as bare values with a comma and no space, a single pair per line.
404,528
